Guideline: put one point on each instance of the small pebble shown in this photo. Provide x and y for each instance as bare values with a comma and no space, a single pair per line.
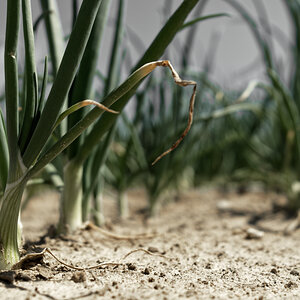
224,205
254,234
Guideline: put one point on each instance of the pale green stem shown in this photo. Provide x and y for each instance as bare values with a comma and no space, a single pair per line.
71,201
98,214
55,34
123,205
154,206
11,85
10,229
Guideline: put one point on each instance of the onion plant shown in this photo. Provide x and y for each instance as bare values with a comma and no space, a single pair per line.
279,137
205,149
26,131
122,168
125,166
74,209
228,130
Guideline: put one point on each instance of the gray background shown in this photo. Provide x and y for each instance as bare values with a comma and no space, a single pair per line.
237,58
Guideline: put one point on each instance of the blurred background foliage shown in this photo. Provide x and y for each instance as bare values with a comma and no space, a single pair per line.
241,133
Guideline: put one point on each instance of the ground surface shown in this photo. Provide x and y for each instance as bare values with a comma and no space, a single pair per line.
207,253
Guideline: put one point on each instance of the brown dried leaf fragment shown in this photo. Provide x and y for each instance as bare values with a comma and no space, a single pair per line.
181,82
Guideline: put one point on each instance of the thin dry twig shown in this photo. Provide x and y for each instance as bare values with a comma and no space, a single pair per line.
106,264
90,225
36,257
147,252
181,82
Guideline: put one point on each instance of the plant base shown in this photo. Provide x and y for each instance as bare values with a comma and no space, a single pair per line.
123,205
71,200
10,229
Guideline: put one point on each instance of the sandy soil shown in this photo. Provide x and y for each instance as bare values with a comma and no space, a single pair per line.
207,252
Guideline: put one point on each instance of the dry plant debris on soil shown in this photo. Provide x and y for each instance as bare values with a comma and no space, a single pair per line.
206,246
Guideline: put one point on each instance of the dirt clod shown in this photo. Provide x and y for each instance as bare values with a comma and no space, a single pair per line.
295,272
208,266
8,276
274,271
131,267
43,272
153,249
291,285
25,276
79,276
146,271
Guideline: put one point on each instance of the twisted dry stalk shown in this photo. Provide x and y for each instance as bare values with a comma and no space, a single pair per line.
181,82
137,76
108,234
